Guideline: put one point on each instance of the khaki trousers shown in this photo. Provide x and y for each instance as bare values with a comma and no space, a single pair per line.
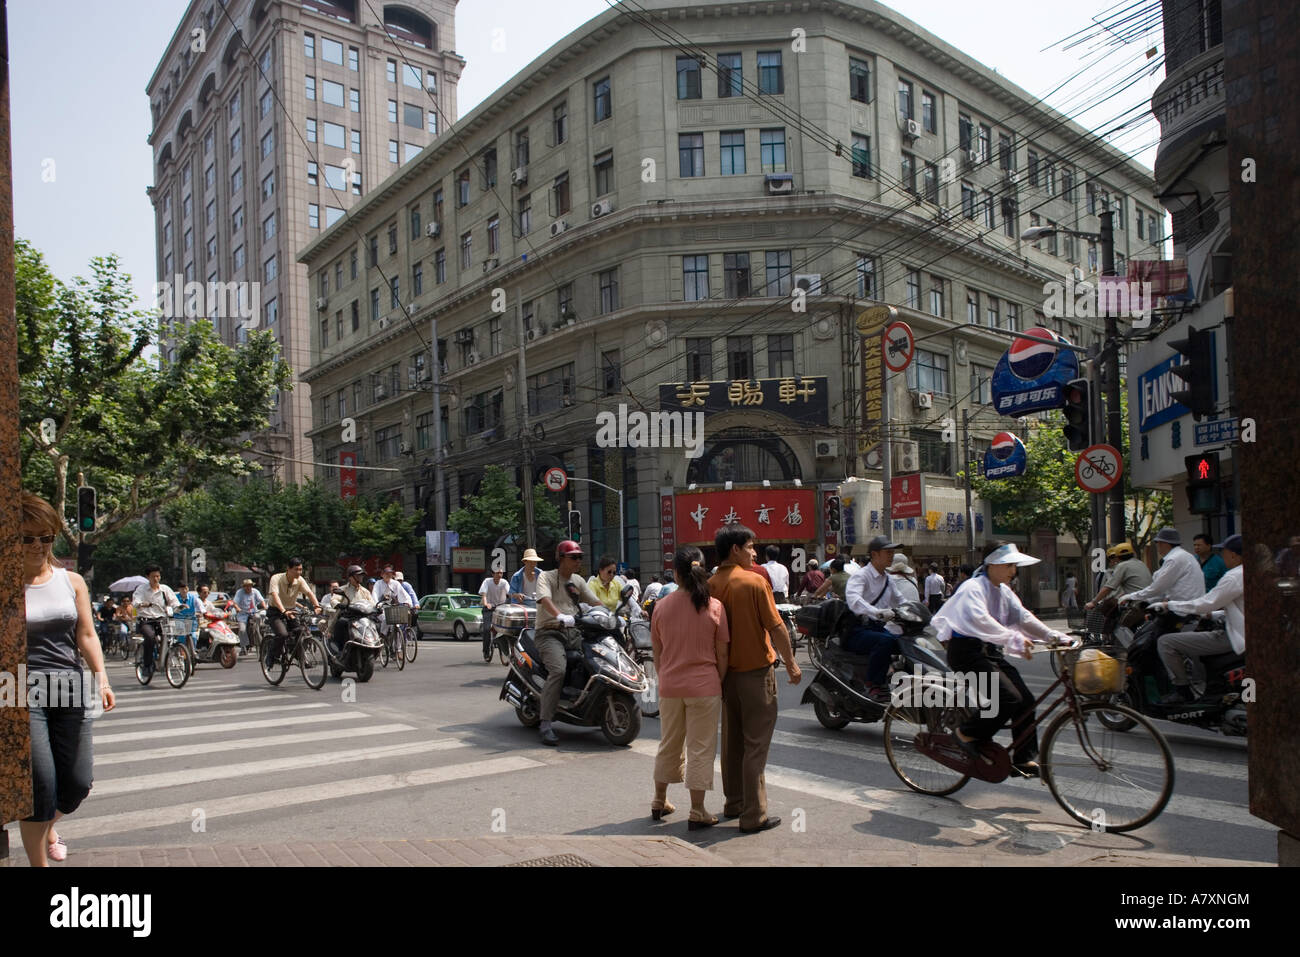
748,719
688,741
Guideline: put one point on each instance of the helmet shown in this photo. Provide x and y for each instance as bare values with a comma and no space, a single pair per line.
355,570
568,547
1122,550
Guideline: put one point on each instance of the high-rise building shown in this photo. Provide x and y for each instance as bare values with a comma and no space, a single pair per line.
270,119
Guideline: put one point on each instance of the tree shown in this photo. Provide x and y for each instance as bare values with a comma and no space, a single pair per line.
497,511
144,433
129,550
383,531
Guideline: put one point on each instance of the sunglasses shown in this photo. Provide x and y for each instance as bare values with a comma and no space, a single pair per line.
33,539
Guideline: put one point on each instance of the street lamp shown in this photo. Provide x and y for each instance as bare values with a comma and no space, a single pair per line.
1035,233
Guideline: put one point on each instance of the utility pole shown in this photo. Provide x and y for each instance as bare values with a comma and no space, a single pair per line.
440,570
1114,422
527,432
886,446
970,471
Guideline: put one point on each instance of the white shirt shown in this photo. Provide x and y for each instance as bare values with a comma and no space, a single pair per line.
779,575
494,593
933,584
1228,594
636,590
652,590
154,604
864,586
383,589
1179,578
978,609
906,588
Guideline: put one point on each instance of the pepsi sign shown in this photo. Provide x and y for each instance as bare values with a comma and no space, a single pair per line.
1006,457
1031,376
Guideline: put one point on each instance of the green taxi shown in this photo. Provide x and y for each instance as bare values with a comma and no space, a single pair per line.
453,612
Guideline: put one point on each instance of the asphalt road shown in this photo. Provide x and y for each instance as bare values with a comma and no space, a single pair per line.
431,752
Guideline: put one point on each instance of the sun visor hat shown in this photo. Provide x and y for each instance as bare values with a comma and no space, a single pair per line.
1010,555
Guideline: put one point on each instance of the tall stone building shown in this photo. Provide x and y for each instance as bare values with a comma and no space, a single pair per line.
689,219
261,114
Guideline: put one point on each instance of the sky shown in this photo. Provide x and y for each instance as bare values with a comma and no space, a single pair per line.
80,117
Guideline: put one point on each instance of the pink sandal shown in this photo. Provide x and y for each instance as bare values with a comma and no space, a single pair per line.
58,851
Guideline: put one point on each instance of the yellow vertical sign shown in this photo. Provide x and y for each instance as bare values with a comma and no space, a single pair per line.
871,325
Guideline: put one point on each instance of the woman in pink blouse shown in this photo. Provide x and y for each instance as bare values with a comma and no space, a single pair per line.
689,634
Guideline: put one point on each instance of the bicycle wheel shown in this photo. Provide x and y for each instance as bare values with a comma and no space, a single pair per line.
140,675
272,673
177,665
385,649
399,647
313,662
919,771
1104,780
412,643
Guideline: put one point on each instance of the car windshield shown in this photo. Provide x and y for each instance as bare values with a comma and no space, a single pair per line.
465,601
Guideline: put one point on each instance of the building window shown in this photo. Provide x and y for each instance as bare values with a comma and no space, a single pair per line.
237,180
413,116
1009,218
466,250
732,146
354,100
212,247
331,51
312,173
374,304
189,240
551,390
866,277
929,373
395,293
1067,185
906,109
334,136
688,78
234,108
356,141
1152,236
208,140
990,217
992,319
268,185
735,272
308,46
965,133
740,357
413,214
270,269
907,175
968,202
268,226
778,266
560,193
525,215
611,374
392,111
981,379
771,145
431,122
929,112
332,93
695,278
930,183
521,148
264,105
333,214
417,279
560,123
324,341
604,169
771,79
494,335
913,289
1033,168
936,296
462,188
392,151
780,356
354,59
859,80
604,109
690,154
1012,317
391,71
440,266
1006,154
311,130
608,282
494,235
699,360
338,275
210,213
730,75
985,139
1049,177
861,155
972,307
309,87
237,220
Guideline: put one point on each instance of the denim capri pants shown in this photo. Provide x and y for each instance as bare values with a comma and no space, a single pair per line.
62,760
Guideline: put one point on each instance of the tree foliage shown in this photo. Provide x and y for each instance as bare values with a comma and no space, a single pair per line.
143,432
497,511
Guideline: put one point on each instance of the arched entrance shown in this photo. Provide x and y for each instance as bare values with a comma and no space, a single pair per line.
744,455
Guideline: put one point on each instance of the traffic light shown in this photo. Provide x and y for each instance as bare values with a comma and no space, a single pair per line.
85,509
1202,483
833,513
1197,371
1078,415
85,558
575,525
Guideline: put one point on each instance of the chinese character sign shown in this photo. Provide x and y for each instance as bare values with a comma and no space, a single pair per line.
348,474
802,398
667,531
775,515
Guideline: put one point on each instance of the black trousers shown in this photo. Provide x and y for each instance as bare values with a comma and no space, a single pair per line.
149,628
1015,702
279,627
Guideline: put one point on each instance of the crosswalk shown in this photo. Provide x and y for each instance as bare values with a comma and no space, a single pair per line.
236,751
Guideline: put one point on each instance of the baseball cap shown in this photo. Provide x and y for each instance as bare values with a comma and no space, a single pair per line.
879,542
1232,543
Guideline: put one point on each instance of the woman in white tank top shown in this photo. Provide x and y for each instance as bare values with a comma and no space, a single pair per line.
60,631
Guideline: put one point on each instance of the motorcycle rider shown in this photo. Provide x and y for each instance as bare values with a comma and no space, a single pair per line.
247,600
872,595
523,583
982,617
1228,595
206,613
1179,578
1129,573
154,601
556,614
286,588
494,591
354,590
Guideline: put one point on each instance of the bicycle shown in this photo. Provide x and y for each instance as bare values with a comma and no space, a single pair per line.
412,642
396,618
170,644
921,747
300,646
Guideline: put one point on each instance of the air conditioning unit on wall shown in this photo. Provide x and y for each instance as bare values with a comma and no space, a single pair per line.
905,457
924,400
601,207
558,227
913,129
519,175
827,448
433,230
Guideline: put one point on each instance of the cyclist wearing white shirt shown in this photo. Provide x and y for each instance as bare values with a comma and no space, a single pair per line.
154,601
1179,577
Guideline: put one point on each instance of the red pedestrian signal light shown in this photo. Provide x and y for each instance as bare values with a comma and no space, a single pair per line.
1202,483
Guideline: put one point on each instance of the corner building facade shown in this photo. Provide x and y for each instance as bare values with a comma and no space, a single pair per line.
694,228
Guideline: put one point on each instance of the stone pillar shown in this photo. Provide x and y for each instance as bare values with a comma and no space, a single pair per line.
1262,84
15,741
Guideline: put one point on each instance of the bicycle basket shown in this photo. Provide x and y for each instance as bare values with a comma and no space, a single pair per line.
179,627
397,614
1096,672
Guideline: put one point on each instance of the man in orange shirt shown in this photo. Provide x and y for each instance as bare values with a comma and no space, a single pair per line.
749,702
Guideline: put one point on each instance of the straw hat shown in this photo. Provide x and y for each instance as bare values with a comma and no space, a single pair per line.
530,555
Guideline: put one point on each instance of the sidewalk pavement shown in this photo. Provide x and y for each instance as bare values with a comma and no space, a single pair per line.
606,851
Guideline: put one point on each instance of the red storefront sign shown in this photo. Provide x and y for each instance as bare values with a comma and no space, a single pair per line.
829,535
666,531
773,514
348,474
906,496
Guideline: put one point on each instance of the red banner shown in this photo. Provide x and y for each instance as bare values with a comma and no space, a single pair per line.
667,537
906,496
348,474
773,514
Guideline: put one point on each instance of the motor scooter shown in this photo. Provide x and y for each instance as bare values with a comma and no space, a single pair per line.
362,643
215,642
